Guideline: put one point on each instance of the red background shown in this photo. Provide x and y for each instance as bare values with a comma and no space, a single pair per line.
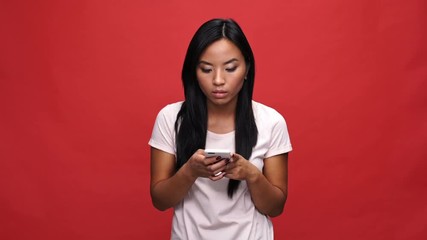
82,81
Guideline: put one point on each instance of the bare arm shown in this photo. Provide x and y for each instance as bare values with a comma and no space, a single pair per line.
268,188
167,186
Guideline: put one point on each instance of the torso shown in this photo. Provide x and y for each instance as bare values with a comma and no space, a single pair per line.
207,212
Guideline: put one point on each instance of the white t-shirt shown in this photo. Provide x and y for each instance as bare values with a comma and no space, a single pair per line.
207,212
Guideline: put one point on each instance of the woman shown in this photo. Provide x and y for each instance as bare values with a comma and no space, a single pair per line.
214,198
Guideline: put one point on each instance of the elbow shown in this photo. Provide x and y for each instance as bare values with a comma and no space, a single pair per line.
278,209
275,212
159,207
158,203
272,211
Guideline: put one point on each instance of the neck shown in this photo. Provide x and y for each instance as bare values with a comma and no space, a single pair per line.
221,118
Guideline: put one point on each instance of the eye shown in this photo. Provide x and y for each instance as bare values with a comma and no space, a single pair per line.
205,70
231,69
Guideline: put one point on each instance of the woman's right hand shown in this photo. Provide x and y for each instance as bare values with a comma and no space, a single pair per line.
209,167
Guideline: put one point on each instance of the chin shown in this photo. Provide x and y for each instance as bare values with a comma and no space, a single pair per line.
220,102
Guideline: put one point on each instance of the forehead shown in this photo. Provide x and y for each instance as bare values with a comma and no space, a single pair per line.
221,51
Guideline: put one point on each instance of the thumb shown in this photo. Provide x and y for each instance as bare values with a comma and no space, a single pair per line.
235,157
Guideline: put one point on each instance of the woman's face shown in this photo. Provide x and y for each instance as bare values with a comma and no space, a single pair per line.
221,72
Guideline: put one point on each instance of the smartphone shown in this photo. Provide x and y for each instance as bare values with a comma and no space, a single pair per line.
217,153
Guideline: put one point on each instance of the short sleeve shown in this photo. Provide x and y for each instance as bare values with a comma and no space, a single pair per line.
163,135
279,142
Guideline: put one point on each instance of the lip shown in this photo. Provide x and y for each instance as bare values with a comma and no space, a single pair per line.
219,93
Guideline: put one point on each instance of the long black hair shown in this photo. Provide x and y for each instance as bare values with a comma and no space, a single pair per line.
191,122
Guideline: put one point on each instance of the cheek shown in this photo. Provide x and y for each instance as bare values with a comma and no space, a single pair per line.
203,84
240,86
201,78
238,83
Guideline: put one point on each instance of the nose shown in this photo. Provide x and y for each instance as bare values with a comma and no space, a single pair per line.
218,78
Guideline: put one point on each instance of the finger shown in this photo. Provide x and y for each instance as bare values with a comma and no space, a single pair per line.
235,157
216,167
219,162
229,167
200,153
199,156
211,160
217,176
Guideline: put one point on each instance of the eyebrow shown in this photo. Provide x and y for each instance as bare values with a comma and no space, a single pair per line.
229,61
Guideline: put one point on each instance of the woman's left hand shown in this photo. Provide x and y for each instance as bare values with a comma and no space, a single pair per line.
239,168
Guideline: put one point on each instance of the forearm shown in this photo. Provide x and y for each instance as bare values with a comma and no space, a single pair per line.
169,192
267,198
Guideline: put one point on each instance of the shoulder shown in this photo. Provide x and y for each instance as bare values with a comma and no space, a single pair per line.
172,107
167,115
264,113
272,130
163,136
170,110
